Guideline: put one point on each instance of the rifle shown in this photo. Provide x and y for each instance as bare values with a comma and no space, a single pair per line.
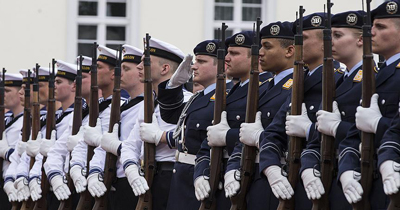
145,201
86,199
115,115
29,204
328,150
249,153
219,106
77,122
295,143
2,114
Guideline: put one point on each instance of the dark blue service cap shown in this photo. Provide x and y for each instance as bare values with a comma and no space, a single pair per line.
350,19
241,39
312,21
281,30
389,9
207,47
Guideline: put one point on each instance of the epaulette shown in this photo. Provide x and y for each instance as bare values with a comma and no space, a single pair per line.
339,70
398,66
288,84
213,96
358,77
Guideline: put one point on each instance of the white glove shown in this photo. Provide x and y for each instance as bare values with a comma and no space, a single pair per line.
22,189
328,122
151,132
35,188
110,141
202,188
137,182
216,134
4,146
96,187
21,147
92,135
390,177
45,145
33,146
74,139
312,184
297,125
367,119
60,189
279,184
79,180
182,73
352,189
231,185
11,192
250,132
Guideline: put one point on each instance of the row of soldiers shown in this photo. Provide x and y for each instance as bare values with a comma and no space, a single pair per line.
182,126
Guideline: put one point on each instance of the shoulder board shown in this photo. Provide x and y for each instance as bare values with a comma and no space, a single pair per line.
213,96
269,79
358,77
398,66
339,70
288,84
376,69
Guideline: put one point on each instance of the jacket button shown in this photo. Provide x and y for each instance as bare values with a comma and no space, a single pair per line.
343,113
197,125
311,107
268,114
237,117
383,101
174,171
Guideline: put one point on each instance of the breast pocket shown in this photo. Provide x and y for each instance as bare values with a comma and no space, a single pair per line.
388,103
235,117
312,108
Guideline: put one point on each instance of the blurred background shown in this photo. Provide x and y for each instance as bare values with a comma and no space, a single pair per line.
35,31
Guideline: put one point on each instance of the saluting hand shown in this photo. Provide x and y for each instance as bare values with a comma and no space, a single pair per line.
182,73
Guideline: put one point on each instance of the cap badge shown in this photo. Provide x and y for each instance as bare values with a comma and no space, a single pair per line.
351,19
239,39
275,29
391,7
316,21
211,47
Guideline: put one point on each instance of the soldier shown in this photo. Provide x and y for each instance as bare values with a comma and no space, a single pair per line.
347,47
165,59
11,135
277,41
376,118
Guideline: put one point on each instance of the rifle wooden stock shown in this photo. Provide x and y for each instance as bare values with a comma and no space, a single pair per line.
216,153
295,144
145,201
249,153
86,199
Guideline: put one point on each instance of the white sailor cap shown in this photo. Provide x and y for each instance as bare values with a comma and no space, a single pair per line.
66,70
86,63
131,54
165,50
44,74
12,80
24,73
107,55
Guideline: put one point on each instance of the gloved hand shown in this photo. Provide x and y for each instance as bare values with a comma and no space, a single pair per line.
4,146
21,147
202,188
137,182
328,122
45,145
151,132
35,189
22,189
250,132
182,73
231,185
279,184
96,187
352,189
79,180
74,139
60,189
11,192
33,146
92,135
367,119
110,141
312,184
297,125
390,177
216,134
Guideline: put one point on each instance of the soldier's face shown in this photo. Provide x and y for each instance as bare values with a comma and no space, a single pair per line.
312,46
21,94
129,76
85,84
346,43
272,55
156,69
104,74
385,37
204,70
63,89
238,62
11,97
43,92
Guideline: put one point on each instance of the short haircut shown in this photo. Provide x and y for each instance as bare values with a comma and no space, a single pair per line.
174,65
285,43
